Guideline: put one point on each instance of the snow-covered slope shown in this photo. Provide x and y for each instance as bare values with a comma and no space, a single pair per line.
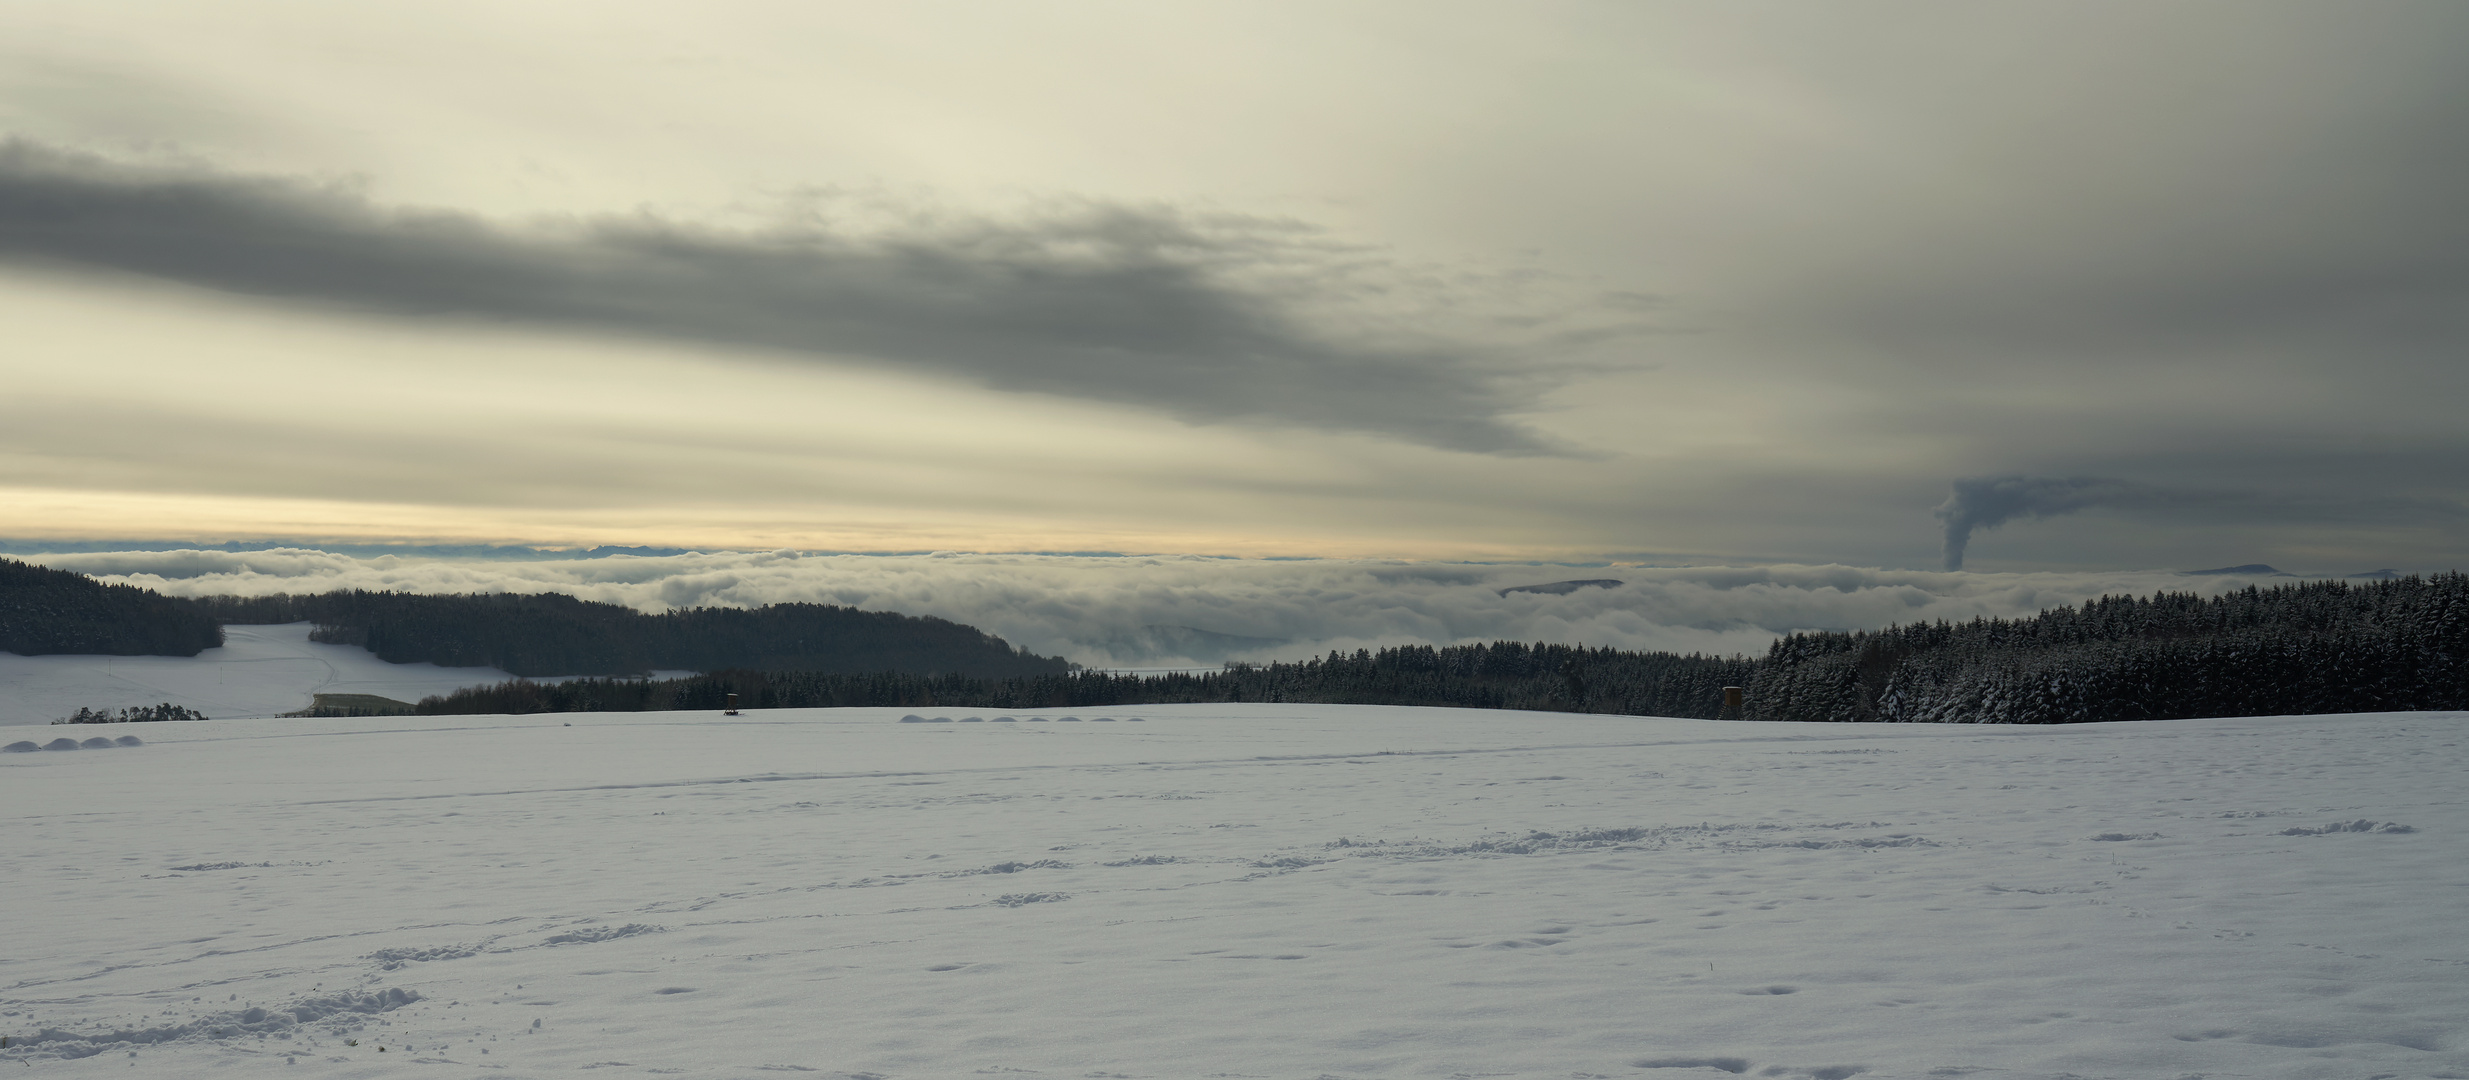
259,671
1239,890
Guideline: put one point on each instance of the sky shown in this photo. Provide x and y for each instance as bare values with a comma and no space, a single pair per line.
2079,288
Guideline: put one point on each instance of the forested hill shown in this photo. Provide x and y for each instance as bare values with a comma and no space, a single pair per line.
2329,647
553,634
2317,647
45,611
1501,675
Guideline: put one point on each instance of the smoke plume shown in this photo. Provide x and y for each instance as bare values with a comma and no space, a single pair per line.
1986,502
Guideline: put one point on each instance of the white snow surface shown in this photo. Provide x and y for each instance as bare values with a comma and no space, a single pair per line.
259,671
1239,890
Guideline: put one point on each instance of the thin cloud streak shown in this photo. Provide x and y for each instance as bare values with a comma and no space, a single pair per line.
1200,319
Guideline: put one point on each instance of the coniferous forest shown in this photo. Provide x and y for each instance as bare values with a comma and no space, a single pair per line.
1502,675
553,634
45,611
2316,647
2320,647
141,714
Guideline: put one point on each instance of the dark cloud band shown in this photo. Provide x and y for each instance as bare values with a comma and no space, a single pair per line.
1110,303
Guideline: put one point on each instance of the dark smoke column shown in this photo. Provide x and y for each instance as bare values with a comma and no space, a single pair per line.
1986,502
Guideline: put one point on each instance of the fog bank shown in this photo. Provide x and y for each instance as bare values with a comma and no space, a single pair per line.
1163,611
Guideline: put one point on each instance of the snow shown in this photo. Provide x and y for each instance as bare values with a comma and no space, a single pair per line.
259,671
1239,890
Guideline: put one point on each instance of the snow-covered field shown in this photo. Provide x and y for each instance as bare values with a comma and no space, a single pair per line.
1239,890
259,671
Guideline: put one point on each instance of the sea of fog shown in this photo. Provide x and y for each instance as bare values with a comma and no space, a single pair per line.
1165,611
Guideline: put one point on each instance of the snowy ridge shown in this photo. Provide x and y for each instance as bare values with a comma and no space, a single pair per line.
1701,835
332,1015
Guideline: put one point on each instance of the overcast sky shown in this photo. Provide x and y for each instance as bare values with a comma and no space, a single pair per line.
2072,286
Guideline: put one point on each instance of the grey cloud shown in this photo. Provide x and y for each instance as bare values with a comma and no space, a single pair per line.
1148,611
1202,319
2279,199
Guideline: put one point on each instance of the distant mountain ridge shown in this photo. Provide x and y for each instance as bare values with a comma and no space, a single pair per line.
1564,588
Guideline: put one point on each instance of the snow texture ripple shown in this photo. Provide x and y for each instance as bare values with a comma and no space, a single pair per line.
1241,890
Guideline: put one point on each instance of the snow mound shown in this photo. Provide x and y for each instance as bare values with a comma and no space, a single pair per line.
591,934
21,746
391,959
330,1013
2351,826
1016,867
1723,1064
1761,836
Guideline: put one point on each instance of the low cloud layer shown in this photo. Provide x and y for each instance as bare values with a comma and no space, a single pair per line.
1187,611
1201,318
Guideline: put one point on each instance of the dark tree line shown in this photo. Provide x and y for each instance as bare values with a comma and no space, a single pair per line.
142,714
2307,648
554,634
1502,675
45,611
2317,647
